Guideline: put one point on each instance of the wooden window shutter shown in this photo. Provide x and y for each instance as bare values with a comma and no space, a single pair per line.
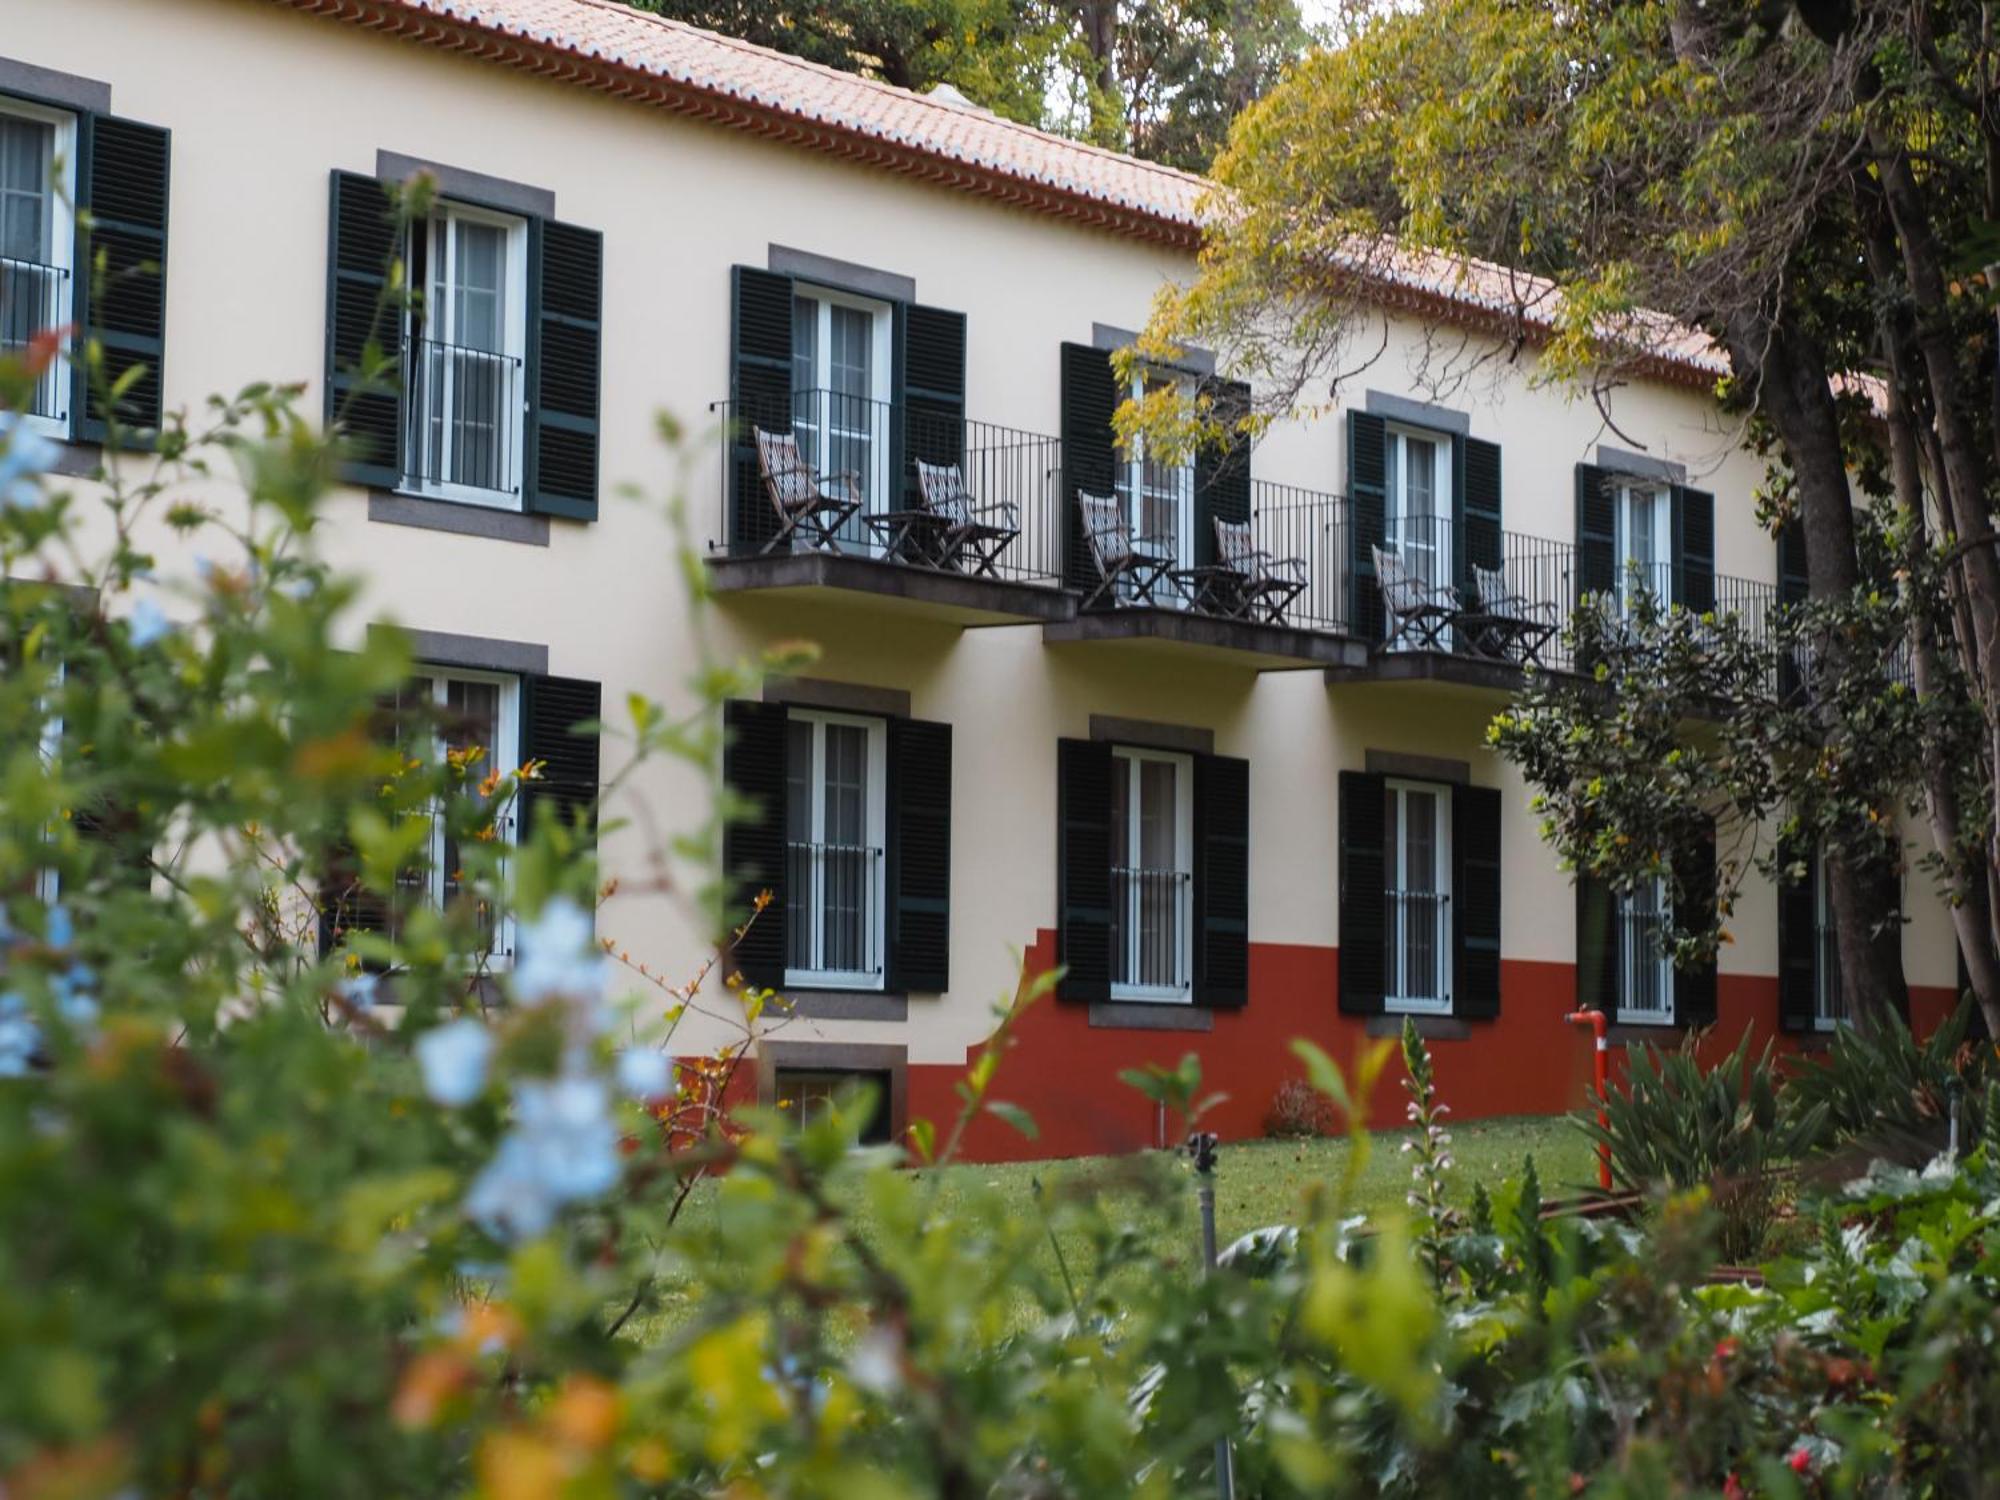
565,338
1475,926
919,855
1222,470
760,395
1798,950
1476,500
1794,585
1363,889
554,714
362,242
753,846
122,171
1083,868
1694,549
1368,503
1089,454
1596,946
1596,533
1695,987
930,367
1221,882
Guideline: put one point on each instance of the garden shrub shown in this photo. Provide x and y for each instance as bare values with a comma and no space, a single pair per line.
1299,1112
1886,1093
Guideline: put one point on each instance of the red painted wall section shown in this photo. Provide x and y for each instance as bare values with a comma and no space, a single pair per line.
1064,1072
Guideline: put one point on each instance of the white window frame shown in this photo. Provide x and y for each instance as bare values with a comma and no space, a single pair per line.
877,482
436,325
1393,876
1133,491
1659,580
876,838
1396,444
48,881
506,755
1628,962
62,245
1183,764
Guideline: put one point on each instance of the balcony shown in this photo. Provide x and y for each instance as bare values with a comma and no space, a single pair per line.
1274,598
916,512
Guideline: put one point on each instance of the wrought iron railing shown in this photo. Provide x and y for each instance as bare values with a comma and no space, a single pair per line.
1291,524
1418,942
833,906
1012,481
1645,979
35,299
463,417
1151,911
1829,1000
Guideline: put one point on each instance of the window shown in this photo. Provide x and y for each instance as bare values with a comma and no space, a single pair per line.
1417,883
472,717
466,347
1152,875
1157,496
812,1093
1417,474
1829,1003
840,393
834,822
1642,543
1645,968
37,187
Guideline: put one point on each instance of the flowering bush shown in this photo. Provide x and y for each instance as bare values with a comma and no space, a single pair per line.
280,1218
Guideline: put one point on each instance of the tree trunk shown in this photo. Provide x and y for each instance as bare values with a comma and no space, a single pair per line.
1787,370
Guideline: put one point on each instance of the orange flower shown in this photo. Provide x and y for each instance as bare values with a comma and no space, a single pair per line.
585,1413
429,1380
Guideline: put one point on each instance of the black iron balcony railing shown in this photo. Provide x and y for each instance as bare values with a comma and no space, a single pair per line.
35,299
833,909
1418,942
1001,518
464,418
1150,915
1306,531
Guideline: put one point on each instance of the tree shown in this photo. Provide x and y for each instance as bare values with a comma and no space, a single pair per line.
1809,192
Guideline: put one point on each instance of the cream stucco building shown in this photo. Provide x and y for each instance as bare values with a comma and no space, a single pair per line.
1238,813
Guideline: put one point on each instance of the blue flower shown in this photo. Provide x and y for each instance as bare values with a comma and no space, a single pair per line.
59,931
358,990
644,1073
25,455
454,1057
74,1001
147,624
20,1037
562,1149
559,957
508,1199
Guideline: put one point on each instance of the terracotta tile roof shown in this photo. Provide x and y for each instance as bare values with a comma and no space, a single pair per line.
611,47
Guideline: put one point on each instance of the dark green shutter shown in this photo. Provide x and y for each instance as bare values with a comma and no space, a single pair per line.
1222,470
1363,892
919,877
122,170
1695,986
760,395
1694,549
1368,502
1089,454
1475,901
362,241
753,847
931,399
1476,501
1596,532
1221,882
1798,950
1083,868
565,328
1596,947
554,711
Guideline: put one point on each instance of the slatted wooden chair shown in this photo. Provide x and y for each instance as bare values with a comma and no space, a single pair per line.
1505,622
975,533
1125,574
1419,611
1267,584
810,505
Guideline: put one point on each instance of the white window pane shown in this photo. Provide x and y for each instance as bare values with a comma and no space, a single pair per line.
1158,814
846,784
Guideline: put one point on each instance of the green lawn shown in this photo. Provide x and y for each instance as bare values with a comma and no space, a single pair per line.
1257,1183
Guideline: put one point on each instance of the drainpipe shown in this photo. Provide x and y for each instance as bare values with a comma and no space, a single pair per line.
1595,1020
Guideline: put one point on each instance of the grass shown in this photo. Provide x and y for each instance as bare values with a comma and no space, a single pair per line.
1258,1183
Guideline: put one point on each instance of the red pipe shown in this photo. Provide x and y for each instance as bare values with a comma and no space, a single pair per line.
1596,1021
